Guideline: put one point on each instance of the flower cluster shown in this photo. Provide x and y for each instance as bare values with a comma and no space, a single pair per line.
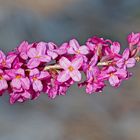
32,69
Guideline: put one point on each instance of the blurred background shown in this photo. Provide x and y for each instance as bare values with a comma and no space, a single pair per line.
111,115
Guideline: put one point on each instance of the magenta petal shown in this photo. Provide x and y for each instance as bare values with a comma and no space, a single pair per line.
75,75
33,63
64,62
15,83
37,85
23,46
84,50
32,52
10,59
41,48
2,56
52,54
115,47
3,84
74,44
34,72
94,60
20,71
130,62
113,80
77,62
26,95
126,53
43,74
45,58
25,83
63,76
120,63
121,73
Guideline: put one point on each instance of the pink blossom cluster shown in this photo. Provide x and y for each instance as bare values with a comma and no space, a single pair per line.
44,67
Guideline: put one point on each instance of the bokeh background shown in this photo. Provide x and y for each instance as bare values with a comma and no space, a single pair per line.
111,115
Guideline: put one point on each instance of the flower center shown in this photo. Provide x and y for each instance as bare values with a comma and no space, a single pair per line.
1,77
3,62
78,51
37,56
111,74
34,78
18,76
70,68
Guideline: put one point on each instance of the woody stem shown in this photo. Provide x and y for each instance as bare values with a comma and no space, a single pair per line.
57,66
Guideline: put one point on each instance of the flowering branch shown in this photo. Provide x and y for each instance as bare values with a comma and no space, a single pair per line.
44,67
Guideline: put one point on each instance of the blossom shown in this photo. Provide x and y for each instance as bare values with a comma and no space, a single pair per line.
126,61
6,61
3,80
31,69
94,83
36,76
75,48
71,69
19,79
23,49
113,75
37,55
53,51
133,39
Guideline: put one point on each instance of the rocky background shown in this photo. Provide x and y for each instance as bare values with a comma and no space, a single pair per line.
111,115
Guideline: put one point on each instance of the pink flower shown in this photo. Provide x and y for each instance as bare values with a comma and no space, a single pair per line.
3,80
97,45
126,61
133,39
36,76
19,81
94,84
23,49
71,69
53,51
115,76
19,96
75,48
37,55
6,61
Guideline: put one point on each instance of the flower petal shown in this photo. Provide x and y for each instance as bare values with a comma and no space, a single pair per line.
34,72
130,62
52,54
120,63
2,56
75,75
77,62
26,95
15,83
20,71
113,80
126,53
3,84
121,73
32,63
37,85
84,49
25,83
41,48
45,58
64,62
43,74
63,76
74,44
115,47
32,52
